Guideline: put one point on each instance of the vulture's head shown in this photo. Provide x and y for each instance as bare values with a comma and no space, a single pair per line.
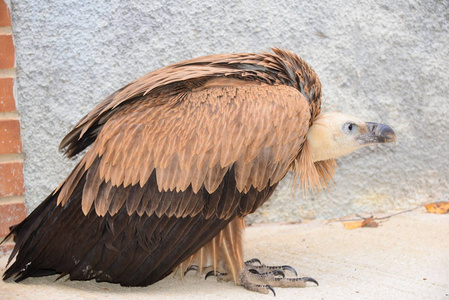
335,134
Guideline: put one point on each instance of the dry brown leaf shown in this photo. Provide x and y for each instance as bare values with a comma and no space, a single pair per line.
437,207
353,225
370,221
367,222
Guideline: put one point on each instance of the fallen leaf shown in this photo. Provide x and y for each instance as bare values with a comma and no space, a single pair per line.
367,222
353,225
437,207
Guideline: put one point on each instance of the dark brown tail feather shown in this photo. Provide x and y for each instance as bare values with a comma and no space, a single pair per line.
130,250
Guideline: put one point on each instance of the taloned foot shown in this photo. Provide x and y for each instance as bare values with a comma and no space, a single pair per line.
261,278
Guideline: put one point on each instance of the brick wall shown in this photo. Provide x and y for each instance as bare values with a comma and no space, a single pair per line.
12,207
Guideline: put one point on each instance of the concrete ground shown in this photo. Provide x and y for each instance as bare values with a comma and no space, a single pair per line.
406,257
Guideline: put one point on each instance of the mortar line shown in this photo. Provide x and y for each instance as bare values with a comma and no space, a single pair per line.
5,30
8,73
8,115
12,200
12,157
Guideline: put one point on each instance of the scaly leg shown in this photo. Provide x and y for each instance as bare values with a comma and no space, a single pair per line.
273,276
223,257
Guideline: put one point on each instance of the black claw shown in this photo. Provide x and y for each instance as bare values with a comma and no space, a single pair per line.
291,269
253,260
310,279
271,289
213,273
192,267
254,271
268,287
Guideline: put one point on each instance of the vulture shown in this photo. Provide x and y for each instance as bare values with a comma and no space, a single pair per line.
175,160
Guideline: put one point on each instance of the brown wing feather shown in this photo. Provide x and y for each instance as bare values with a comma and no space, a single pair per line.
189,123
184,143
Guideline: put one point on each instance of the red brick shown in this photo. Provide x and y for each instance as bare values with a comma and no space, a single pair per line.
12,214
11,179
10,136
5,14
6,51
7,102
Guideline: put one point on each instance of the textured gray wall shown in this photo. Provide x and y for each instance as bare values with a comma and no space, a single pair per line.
384,61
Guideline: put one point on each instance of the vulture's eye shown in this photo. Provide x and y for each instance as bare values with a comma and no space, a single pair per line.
349,128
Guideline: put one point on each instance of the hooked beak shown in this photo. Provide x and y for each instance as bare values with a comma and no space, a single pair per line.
377,133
